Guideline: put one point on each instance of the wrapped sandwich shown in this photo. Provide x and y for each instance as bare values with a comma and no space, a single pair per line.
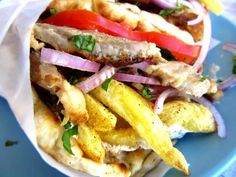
116,83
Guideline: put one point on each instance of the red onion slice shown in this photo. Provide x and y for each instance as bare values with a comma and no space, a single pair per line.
230,47
199,10
135,79
205,43
158,107
165,4
170,4
97,79
228,83
218,117
64,59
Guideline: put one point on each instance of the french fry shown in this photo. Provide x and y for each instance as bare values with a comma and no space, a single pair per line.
134,109
123,136
90,143
100,118
192,116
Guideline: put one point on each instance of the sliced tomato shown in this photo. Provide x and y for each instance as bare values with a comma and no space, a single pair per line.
87,20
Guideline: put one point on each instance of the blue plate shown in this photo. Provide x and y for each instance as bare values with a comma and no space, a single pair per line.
208,155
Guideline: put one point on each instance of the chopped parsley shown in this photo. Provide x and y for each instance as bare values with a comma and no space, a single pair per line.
67,125
234,58
193,62
219,81
178,4
204,78
10,143
146,92
84,42
53,11
234,67
138,3
73,79
166,12
66,138
106,83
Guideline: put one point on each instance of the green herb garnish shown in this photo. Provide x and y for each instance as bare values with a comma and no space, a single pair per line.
193,62
146,92
67,125
234,58
166,12
179,5
204,78
138,3
10,143
219,81
73,80
106,83
234,69
84,42
53,11
66,138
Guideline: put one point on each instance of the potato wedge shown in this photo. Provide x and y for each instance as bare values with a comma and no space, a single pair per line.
134,109
123,137
100,118
129,137
192,116
90,143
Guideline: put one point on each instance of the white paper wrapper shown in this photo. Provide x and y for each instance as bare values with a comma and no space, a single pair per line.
16,20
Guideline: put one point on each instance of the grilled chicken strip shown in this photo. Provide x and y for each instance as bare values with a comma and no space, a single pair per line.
71,97
108,49
182,77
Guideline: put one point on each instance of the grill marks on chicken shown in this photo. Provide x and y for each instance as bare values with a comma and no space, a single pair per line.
72,98
180,76
108,49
